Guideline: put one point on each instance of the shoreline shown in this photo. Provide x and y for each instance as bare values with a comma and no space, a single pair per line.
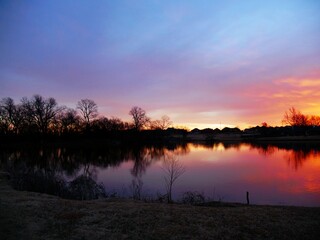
31,215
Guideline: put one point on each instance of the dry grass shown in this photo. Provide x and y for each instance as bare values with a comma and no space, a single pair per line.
27,215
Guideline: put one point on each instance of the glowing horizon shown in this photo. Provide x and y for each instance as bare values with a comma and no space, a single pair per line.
203,63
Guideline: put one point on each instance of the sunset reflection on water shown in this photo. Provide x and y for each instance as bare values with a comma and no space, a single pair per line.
225,171
281,173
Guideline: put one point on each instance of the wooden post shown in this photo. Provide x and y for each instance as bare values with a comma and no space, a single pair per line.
248,202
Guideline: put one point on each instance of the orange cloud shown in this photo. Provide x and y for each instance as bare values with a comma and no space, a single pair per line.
267,101
300,82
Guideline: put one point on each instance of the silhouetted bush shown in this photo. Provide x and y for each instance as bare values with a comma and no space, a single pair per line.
85,188
38,181
193,198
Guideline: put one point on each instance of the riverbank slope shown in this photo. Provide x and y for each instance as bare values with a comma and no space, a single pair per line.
29,215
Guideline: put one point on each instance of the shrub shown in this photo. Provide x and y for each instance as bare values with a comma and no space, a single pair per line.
193,198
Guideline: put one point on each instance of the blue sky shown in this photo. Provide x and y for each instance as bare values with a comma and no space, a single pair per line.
199,62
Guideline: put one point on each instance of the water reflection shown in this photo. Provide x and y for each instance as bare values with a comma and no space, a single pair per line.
296,153
281,168
61,170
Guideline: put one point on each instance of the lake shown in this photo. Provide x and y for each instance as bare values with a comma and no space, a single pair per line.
281,173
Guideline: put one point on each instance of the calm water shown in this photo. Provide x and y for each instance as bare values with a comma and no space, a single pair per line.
273,173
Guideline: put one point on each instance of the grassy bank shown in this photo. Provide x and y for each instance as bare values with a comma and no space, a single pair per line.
28,215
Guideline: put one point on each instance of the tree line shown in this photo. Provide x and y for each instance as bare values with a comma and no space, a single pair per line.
43,116
39,115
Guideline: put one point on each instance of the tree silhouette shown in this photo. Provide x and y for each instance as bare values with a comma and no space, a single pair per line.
294,117
161,124
11,114
88,110
140,118
68,120
314,120
40,112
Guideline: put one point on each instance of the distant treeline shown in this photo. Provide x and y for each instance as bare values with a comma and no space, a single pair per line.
254,132
39,116
43,117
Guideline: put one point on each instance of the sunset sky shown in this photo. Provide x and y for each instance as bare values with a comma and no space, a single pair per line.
203,62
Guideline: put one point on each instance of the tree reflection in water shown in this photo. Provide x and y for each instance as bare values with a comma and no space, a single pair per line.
71,171
296,158
296,153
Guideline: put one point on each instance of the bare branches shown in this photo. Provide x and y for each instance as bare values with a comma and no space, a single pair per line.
294,117
40,111
173,169
39,115
140,118
11,114
161,124
88,110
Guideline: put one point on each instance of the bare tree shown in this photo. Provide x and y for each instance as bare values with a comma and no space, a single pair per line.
111,124
173,169
68,120
161,124
40,111
88,110
7,107
314,120
11,114
140,118
294,117
3,123
116,124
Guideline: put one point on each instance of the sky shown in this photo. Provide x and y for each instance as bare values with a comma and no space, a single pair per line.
204,63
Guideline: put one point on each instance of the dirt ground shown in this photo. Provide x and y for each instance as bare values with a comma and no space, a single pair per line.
28,215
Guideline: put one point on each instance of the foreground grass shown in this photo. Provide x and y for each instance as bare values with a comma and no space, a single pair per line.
27,215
